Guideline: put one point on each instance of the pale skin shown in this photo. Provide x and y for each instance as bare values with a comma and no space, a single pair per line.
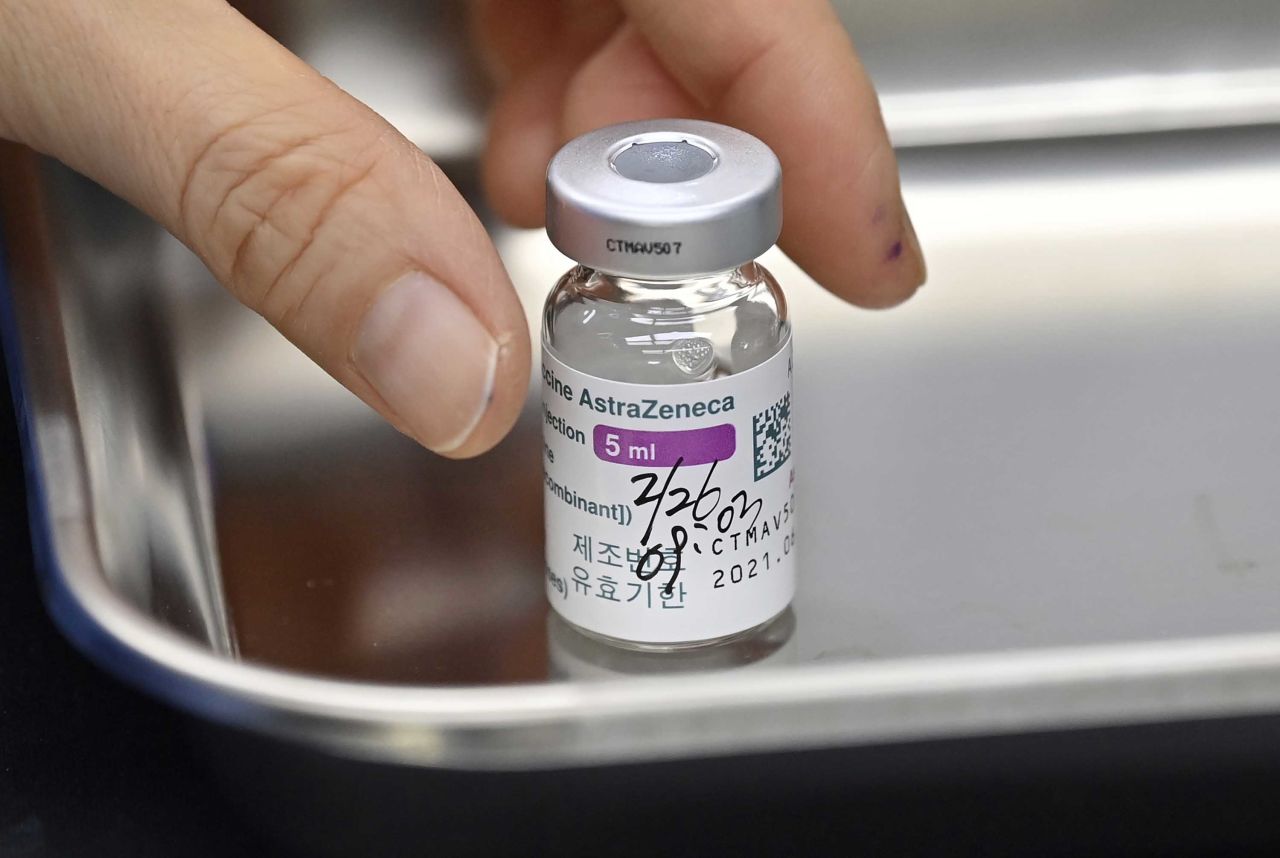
317,214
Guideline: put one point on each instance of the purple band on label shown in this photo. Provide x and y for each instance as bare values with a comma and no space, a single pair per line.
664,449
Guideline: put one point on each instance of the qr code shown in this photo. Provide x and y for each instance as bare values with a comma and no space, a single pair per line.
771,437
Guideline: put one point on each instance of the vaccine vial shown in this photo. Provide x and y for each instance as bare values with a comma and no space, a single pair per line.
666,388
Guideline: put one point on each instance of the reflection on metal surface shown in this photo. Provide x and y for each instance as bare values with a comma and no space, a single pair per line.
146,492
364,557
988,70
574,655
1005,491
1118,105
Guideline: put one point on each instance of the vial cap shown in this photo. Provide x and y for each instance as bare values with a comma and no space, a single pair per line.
664,198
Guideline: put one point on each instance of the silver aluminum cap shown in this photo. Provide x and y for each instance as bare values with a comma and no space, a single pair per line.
664,198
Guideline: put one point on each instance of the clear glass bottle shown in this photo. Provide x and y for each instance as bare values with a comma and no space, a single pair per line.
666,388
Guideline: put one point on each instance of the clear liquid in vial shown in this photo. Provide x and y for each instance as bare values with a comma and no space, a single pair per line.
665,331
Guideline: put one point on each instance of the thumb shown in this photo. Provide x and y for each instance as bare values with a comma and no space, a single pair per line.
304,203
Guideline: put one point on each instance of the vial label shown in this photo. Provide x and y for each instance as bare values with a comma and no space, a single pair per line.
669,508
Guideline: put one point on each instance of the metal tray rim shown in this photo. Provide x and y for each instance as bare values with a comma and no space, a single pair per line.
575,723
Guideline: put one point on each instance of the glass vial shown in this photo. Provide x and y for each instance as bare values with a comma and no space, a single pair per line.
666,388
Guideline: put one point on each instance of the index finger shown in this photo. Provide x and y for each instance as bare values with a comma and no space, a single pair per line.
787,72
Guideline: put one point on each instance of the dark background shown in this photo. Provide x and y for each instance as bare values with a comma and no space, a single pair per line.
87,766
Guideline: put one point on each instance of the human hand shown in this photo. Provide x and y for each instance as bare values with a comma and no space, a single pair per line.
316,213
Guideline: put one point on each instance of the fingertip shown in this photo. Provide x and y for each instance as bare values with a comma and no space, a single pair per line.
880,267
441,374
512,173
505,401
883,295
524,132
510,193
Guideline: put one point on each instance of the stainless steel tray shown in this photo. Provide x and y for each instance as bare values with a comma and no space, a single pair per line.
1040,496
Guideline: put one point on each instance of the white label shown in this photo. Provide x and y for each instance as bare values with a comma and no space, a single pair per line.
669,507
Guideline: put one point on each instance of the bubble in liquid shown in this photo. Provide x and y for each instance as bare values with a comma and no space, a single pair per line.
693,356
